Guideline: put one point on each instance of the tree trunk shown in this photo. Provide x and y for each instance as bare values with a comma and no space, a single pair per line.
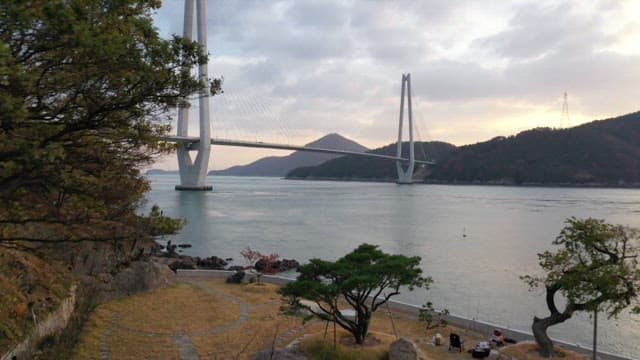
539,329
362,330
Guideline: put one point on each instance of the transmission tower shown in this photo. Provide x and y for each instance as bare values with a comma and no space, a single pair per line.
564,118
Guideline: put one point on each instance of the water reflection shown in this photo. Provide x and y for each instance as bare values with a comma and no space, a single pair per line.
476,276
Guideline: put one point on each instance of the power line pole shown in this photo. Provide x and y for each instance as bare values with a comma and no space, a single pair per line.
564,118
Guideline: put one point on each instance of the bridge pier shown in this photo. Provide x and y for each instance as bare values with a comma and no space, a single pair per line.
405,176
194,173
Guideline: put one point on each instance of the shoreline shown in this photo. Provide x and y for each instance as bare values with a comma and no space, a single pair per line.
479,183
471,324
635,185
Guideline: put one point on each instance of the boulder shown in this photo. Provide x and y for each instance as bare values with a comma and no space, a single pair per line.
236,277
277,265
494,355
404,349
139,276
212,262
184,262
288,264
261,265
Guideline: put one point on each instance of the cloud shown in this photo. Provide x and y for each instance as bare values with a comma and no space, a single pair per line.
295,70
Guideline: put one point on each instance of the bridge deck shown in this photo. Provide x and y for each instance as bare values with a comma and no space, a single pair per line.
241,143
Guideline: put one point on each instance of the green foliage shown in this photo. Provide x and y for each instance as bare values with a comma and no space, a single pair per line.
597,266
322,350
85,89
431,317
163,225
601,152
365,278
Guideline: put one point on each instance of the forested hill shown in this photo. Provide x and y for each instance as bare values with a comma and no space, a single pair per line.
605,152
281,165
363,168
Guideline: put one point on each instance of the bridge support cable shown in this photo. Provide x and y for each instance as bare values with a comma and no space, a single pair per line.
193,173
420,129
405,176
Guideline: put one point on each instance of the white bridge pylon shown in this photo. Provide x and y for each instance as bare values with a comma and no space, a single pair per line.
405,176
194,173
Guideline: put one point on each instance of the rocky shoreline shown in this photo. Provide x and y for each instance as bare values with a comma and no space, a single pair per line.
169,255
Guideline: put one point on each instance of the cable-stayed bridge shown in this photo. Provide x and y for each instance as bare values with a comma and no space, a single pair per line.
193,172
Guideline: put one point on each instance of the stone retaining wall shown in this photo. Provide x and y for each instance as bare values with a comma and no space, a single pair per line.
55,322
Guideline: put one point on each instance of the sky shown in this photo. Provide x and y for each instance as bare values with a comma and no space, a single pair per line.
297,70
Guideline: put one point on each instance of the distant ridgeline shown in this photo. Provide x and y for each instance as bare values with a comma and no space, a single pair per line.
605,152
361,168
599,153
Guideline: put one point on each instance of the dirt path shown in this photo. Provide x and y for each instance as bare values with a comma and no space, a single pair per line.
208,319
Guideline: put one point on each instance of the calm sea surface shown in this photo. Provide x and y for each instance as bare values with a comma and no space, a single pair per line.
476,276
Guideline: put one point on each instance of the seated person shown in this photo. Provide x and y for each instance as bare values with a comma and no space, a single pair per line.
497,338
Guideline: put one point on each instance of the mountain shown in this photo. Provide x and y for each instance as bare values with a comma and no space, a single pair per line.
161,172
281,165
362,168
604,152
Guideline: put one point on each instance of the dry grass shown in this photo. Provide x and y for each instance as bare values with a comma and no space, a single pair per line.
178,308
27,281
89,343
125,345
251,294
367,352
185,308
262,326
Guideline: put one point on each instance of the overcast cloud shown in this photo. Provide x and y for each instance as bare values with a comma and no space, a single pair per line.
296,70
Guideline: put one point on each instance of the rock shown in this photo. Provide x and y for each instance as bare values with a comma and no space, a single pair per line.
260,265
212,262
139,276
156,249
104,277
494,355
277,266
288,264
278,354
236,277
184,262
404,349
184,246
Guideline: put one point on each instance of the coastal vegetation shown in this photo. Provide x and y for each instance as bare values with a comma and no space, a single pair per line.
85,89
599,153
363,168
597,268
604,152
365,278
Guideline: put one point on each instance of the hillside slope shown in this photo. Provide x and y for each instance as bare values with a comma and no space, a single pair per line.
604,152
362,168
280,165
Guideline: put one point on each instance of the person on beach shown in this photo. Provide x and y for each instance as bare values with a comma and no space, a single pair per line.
497,338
